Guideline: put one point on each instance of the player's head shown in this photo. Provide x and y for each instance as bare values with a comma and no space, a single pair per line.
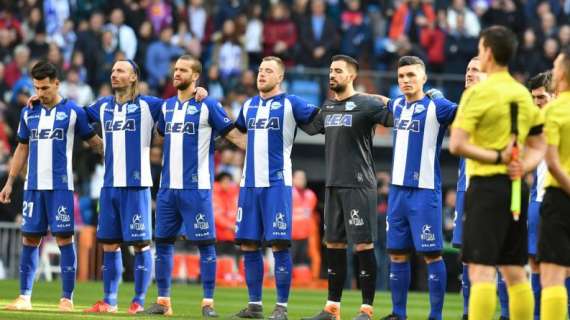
497,45
187,70
561,71
411,75
473,74
540,87
45,81
270,74
342,73
125,77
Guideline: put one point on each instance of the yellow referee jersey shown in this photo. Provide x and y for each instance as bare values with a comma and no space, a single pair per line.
484,112
557,129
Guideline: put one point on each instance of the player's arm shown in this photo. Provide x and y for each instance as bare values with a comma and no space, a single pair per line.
459,145
556,169
315,126
16,165
96,144
237,137
380,97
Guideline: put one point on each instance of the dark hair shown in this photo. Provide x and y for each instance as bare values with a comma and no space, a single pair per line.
543,79
196,64
502,41
348,59
44,69
223,175
410,61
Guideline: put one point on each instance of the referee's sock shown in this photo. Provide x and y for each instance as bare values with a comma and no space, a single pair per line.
283,273
503,295
437,282
482,301
68,266
568,292
253,263
367,275
143,274
399,285
163,268
521,304
208,269
465,288
535,282
336,263
112,273
553,304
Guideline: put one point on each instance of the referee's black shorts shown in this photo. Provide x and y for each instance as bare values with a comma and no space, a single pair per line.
490,234
350,215
554,228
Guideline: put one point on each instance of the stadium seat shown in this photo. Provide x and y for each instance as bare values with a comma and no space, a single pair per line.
47,269
307,89
192,267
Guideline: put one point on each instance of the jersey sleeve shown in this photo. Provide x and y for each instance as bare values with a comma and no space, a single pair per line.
82,125
552,127
218,118
23,129
303,112
380,114
471,110
315,126
161,122
92,111
445,110
240,121
155,106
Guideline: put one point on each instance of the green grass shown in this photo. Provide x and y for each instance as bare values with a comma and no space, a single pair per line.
186,302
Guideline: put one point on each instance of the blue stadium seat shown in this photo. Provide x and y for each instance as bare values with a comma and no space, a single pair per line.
306,89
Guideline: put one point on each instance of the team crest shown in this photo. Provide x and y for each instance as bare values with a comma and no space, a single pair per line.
419,108
349,105
275,105
60,116
132,108
192,110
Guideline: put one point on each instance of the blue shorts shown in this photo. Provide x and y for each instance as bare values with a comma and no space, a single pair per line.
264,215
533,219
124,215
188,208
456,241
43,208
414,220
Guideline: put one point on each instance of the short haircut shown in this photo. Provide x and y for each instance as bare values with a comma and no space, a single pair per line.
277,60
348,59
410,61
196,64
502,41
543,79
565,52
475,58
44,69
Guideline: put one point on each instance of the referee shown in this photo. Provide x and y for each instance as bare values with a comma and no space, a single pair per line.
481,133
348,122
554,232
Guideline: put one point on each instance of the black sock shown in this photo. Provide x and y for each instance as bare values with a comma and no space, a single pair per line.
336,263
367,275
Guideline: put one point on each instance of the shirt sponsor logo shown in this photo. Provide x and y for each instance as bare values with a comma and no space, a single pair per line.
120,125
46,134
408,125
355,219
259,124
179,127
338,120
60,116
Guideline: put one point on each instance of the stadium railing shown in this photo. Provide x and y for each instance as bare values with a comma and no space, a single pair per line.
10,246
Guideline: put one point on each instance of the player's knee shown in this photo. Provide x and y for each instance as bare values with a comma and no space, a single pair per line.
31,241
64,240
279,247
481,273
111,247
534,267
363,246
336,245
249,247
141,247
398,258
431,257
551,275
513,275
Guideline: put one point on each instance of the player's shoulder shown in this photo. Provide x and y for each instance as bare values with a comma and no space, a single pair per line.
398,101
72,106
211,102
100,101
366,101
151,100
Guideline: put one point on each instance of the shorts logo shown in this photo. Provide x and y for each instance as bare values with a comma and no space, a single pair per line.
280,222
427,234
137,223
62,215
201,222
355,219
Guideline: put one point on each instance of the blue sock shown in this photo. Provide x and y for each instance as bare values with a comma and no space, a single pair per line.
208,269
163,268
68,266
28,266
437,282
399,285
112,273
253,263
503,295
143,275
535,282
567,283
283,271
465,287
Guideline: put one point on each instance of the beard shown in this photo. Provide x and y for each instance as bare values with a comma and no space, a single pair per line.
337,87
266,88
183,85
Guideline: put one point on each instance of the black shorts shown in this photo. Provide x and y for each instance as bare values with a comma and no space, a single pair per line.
350,215
490,234
554,228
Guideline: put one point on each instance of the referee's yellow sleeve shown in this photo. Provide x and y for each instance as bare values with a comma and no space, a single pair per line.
471,109
551,127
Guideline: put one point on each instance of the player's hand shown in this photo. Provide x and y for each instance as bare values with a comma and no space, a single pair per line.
5,194
433,94
32,100
201,94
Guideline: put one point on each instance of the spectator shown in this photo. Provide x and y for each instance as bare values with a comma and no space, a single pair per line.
73,88
145,38
304,224
228,9
54,56
184,39
3,86
134,12
254,36
506,13
471,26
528,61
215,88
410,17
198,19
279,34
39,46
159,13
89,43
158,58
224,200
18,66
55,14
108,57
356,30
460,47
9,22
448,214
229,54
548,28
77,62
65,40
432,39
31,24
5,46
564,35
247,84
124,37
550,51
318,37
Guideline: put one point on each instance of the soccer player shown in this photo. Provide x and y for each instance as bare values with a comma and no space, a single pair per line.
46,136
348,121
414,218
185,195
127,120
264,206
481,133
554,242
542,93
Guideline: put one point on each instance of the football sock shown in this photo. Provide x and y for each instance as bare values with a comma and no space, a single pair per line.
399,285
208,269
163,264
367,275
283,267
68,266
554,303
503,295
143,274
521,301
465,288
336,264
253,263
28,265
482,301
437,282
112,273
535,282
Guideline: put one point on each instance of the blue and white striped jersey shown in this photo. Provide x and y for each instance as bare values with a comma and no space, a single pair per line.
462,179
537,189
419,128
271,125
189,129
50,135
127,131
